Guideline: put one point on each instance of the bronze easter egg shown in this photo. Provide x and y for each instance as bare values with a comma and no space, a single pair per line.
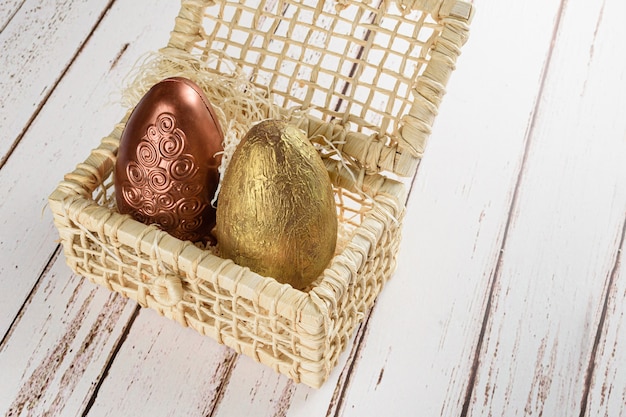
276,211
167,164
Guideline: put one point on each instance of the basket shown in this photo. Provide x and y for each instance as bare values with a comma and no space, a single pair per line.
370,77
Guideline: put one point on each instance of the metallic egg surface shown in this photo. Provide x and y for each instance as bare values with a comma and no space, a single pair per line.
276,211
166,171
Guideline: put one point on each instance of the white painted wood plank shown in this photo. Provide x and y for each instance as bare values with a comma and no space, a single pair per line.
165,362
565,229
607,395
8,9
417,355
48,35
58,347
163,369
184,373
82,109
259,391
267,393
607,81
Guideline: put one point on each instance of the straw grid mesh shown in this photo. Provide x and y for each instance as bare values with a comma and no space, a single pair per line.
363,65
310,55
368,78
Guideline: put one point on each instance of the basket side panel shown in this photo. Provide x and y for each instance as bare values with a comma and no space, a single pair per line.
356,277
270,322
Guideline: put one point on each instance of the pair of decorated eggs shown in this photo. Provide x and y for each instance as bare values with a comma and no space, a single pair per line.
275,212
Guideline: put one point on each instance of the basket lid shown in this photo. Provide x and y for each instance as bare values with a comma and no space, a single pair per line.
374,70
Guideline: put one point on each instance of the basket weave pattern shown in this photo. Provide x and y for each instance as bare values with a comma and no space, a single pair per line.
370,78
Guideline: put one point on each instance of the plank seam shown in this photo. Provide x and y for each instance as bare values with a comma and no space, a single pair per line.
117,58
11,16
56,83
591,366
111,359
230,360
335,406
471,385
51,260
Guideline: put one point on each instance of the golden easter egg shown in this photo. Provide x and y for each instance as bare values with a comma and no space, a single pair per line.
276,210
166,171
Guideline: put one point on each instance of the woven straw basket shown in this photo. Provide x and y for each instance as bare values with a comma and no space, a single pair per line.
369,77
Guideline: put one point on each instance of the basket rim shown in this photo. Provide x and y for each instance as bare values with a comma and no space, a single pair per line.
315,314
71,200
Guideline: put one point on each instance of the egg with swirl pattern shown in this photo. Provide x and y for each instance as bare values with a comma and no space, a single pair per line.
166,171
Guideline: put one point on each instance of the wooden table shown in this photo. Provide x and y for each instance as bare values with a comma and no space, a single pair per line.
510,293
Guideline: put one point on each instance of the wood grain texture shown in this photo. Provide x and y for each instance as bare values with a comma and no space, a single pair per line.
83,108
607,379
54,356
607,82
8,10
49,35
268,393
163,369
427,321
557,260
161,360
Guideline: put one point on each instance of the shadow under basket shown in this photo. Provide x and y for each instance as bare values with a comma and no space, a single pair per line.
369,78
